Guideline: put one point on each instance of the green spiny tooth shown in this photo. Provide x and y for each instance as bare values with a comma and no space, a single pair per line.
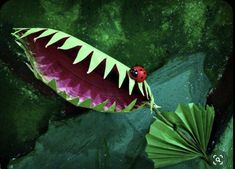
20,44
157,106
45,33
29,66
96,59
70,43
146,89
56,37
140,85
130,106
31,31
122,74
52,84
32,70
131,85
18,30
108,66
150,95
82,54
112,107
100,107
75,101
62,94
16,36
86,103
149,92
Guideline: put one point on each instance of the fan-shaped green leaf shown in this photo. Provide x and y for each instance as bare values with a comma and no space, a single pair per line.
188,140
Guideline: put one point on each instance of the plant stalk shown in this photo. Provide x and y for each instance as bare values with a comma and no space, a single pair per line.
205,157
158,113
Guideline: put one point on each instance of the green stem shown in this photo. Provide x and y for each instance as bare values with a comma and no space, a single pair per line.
205,157
158,113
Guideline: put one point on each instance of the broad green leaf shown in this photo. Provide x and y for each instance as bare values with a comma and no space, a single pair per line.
182,80
92,140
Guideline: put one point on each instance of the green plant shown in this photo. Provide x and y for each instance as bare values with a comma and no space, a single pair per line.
86,77
181,135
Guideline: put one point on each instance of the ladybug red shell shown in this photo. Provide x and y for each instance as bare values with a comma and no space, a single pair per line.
138,73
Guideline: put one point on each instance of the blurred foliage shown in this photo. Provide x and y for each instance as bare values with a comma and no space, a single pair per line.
24,114
136,32
225,146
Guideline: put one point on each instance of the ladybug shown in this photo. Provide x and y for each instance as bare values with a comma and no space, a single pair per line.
138,73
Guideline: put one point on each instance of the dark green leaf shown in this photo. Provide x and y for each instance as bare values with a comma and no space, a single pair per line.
182,80
93,140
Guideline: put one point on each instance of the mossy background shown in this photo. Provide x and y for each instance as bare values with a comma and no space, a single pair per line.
149,33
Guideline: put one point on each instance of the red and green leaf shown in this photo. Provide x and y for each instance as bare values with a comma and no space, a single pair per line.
80,73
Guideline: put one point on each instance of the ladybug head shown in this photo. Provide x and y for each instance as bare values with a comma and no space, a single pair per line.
134,72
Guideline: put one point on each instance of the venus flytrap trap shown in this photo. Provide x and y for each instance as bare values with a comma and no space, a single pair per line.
87,77
80,73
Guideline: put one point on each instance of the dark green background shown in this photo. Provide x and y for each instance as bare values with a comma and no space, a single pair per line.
150,33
